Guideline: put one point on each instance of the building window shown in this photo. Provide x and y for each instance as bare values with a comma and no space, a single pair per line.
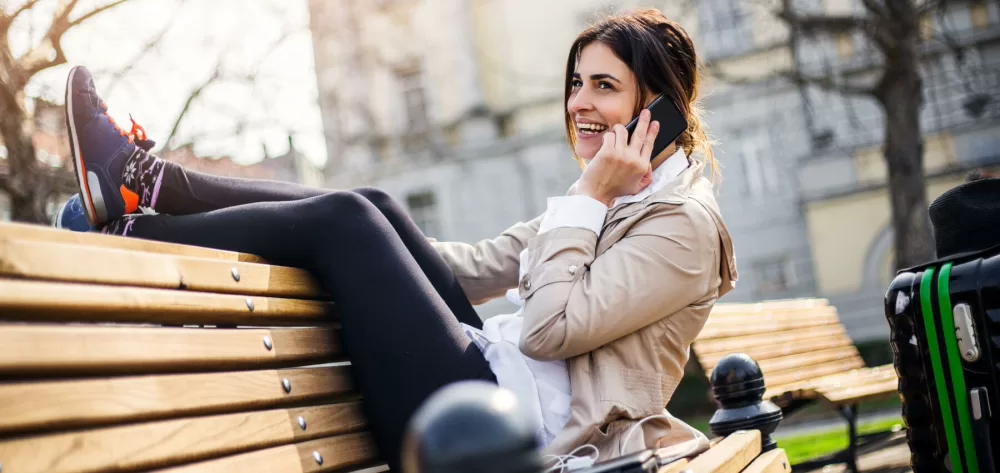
424,212
774,277
414,99
723,28
761,174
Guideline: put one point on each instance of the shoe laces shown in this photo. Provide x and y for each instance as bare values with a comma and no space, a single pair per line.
136,135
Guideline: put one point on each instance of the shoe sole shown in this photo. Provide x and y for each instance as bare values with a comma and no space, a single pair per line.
74,148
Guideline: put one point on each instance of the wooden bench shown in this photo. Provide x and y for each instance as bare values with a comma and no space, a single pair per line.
805,353
121,355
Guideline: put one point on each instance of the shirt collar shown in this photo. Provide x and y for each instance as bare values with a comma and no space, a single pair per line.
671,168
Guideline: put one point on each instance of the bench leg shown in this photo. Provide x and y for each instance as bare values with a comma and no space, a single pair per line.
850,414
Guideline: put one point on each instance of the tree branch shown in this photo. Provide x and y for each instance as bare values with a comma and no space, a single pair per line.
96,11
190,101
7,20
49,52
149,46
876,8
828,83
825,23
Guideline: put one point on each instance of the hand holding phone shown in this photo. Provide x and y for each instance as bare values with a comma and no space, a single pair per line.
672,123
622,165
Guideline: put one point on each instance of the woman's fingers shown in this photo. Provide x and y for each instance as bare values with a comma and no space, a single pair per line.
641,130
621,137
649,142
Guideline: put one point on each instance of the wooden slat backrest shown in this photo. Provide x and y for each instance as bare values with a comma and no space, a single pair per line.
792,340
43,260
119,354
151,445
25,232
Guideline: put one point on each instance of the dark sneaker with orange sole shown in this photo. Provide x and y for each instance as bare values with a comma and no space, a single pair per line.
100,150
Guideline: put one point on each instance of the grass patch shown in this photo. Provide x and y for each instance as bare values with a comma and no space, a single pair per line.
805,447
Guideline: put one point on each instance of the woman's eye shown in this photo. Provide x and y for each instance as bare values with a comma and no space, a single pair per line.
576,83
605,85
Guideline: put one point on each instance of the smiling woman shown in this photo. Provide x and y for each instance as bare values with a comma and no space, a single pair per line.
614,281
618,66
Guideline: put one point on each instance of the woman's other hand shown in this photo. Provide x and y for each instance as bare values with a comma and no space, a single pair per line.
621,168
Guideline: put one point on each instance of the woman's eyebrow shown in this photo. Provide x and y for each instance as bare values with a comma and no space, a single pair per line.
576,75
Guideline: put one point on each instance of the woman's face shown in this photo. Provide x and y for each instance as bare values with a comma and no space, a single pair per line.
603,94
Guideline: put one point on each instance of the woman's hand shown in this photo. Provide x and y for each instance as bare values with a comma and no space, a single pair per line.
621,168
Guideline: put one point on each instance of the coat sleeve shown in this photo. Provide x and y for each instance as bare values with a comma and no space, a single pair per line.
488,268
576,301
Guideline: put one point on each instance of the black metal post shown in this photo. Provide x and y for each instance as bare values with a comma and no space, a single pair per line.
738,386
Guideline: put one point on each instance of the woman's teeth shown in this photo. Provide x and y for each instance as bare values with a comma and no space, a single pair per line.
590,128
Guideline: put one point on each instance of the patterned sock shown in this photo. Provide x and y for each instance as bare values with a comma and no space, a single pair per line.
119,227
142,175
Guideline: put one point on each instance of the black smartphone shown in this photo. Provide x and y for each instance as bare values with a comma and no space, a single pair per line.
643,461
672,123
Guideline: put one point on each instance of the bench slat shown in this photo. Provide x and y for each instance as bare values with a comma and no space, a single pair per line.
855,377
101,265
166,443
61,404
736,330
30,232
674,467
781,345
813,371
38,301
102,350
752,318
730,455
345,451
774,461
774,304
777,366
766,339
861,392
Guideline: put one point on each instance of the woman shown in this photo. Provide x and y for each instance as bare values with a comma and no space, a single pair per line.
615,280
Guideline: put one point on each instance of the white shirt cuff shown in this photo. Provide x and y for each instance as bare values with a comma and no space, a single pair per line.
578,211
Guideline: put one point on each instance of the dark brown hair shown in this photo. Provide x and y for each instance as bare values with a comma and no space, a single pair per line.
661,55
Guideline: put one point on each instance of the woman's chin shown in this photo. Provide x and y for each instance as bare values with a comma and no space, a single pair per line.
585,153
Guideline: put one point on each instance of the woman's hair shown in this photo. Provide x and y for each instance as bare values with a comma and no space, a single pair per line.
661,55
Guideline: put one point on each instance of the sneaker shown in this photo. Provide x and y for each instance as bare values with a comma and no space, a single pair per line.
71,216
100,149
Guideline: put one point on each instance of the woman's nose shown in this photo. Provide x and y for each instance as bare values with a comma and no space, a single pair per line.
579,102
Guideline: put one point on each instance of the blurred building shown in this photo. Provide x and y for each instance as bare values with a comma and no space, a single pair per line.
455,107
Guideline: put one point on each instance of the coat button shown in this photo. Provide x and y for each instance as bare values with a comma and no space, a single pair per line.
527,284
572,269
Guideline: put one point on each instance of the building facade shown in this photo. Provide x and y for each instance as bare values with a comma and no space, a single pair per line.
455,107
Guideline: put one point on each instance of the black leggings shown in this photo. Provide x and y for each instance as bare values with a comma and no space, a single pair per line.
400,304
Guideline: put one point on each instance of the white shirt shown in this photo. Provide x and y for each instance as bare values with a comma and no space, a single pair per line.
543,388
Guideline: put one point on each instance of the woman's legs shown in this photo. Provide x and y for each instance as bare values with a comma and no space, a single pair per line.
183,192
403,341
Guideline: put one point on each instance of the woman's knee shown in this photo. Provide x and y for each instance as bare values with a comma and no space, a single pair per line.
338,206
378,197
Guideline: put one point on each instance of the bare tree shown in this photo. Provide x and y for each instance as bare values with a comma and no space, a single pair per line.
28,182
31,183
892,28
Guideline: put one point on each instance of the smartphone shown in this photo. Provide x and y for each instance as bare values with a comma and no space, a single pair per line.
672,123
643,461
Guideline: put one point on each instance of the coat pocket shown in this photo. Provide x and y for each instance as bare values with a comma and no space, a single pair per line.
638,393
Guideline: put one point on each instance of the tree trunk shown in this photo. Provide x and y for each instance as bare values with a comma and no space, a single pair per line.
27,187
900,93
